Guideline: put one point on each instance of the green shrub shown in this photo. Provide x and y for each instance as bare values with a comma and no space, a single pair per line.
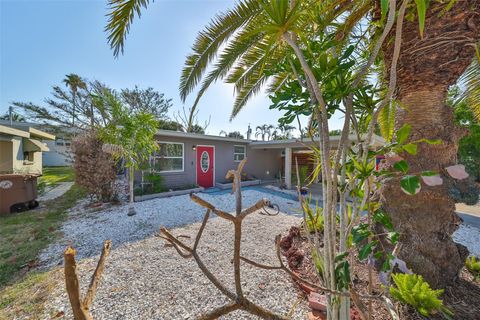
303,172
152,183
314,217
416,292
473,265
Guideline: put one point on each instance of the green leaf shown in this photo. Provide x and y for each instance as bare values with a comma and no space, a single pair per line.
365,251
393,237
421,11
341,256
411,148
430,141
381,217
360,233
402,166
403,133
429,173
410,184
384,8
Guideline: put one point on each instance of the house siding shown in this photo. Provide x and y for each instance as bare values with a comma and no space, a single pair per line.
261,164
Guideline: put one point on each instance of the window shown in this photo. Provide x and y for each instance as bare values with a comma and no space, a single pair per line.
28,156
168,158
239,153
205,162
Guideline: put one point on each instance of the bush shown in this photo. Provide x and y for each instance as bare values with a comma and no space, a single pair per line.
94,169
152,183
416,292
314,217
473,265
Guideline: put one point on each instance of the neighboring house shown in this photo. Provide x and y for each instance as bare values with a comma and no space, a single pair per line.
197,159
21,149
59,153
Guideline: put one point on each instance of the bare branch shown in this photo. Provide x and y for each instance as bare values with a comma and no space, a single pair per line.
97,275
215,314
80,308
206,204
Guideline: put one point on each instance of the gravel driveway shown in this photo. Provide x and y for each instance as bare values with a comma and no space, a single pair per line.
86,229
147,280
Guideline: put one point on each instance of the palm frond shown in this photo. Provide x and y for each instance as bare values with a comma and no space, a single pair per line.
120,18
470,83
208,41
252,63
246,93
277,82
386,121
225,62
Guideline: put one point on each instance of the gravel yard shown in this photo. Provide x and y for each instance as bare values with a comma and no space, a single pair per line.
144,279
147,280
87,229
470,237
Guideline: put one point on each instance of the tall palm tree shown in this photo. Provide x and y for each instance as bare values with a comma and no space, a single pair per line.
265,131
427,66
75,82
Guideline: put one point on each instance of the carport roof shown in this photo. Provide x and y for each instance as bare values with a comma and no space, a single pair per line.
377,141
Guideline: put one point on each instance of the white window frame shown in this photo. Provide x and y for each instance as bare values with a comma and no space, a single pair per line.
244,152
153,158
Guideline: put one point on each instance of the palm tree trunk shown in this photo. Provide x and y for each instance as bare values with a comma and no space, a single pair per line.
131,207
426,68
427,220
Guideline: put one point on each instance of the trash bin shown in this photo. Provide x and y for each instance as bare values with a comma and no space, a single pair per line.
17,192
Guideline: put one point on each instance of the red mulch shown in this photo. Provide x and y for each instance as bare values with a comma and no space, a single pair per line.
463,297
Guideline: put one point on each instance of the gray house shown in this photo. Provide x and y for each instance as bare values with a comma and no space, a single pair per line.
196,159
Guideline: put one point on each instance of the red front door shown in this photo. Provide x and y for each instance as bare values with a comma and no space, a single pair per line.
205,166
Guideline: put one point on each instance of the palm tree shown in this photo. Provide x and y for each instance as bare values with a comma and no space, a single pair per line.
75,82
265,131
285,130
428,66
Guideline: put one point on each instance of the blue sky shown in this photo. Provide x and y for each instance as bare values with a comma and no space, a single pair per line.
41,41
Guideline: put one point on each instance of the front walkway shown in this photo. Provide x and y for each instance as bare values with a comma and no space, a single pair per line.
56,192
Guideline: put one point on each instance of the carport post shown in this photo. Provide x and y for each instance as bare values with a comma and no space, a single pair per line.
288,167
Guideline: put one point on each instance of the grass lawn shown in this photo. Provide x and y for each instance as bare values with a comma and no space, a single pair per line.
26,298
53,175
23,235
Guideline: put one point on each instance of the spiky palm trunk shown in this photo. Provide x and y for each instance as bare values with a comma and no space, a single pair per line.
427,67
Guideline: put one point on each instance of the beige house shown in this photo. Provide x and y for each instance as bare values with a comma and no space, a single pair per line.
21,149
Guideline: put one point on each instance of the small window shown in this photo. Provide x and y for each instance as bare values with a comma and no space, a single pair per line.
28,156
239,153
168,158
205,161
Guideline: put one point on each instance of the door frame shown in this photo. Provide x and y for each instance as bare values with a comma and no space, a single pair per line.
196,164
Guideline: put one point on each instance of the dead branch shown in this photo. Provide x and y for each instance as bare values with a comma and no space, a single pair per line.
80,312
92,289
81,308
